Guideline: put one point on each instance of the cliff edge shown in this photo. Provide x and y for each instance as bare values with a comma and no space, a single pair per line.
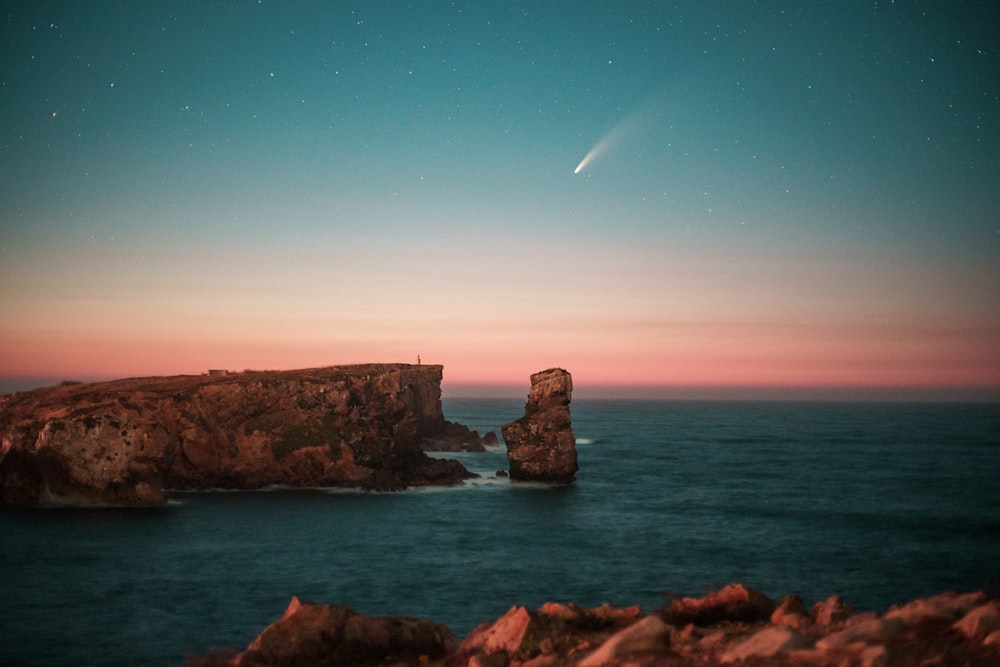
125,441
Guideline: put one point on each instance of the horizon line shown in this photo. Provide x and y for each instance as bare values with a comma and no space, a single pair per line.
661,391
804,393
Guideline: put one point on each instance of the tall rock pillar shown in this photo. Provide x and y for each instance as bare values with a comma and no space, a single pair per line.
541,446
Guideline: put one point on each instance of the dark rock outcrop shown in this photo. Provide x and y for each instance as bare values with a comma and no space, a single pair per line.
322,635
125,441
553,629
541,446
791,611
457,438
831,610
734,603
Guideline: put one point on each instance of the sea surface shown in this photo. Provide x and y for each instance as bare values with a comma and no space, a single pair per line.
878,502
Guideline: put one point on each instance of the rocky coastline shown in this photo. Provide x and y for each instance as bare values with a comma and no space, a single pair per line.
736,625
367,426
126,442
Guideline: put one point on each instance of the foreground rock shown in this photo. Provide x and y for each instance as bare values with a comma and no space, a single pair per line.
555,629
730,627
322,635
734,603
124,442
541,446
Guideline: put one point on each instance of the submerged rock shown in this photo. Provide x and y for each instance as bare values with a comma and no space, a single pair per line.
541,446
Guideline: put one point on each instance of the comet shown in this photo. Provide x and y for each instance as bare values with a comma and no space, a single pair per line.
599,148
625,129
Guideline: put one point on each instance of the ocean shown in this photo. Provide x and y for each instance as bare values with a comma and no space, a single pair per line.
879,502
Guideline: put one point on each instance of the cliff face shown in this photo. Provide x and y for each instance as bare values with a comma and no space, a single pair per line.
124,442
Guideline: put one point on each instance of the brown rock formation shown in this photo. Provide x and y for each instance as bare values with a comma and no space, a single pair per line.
125,441
649,637
541,445
832,610
735,602
326,635
767,643
791,611
558,635
554,629
982,621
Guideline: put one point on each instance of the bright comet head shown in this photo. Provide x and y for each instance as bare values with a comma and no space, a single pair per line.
587,158
600,147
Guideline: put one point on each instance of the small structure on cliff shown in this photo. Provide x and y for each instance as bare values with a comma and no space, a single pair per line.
541,446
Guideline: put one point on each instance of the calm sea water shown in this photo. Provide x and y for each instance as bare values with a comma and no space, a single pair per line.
878,502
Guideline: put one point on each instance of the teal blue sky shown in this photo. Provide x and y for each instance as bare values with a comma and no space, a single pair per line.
316,168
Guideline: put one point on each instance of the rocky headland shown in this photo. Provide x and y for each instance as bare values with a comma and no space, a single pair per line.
541,446
125,442
736,625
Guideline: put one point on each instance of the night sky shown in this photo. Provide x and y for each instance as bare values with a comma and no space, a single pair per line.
770,197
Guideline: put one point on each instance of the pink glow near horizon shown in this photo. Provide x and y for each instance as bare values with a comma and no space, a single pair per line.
611,313
635,322
702,355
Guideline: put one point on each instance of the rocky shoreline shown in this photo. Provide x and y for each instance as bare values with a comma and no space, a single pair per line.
365,426
736,625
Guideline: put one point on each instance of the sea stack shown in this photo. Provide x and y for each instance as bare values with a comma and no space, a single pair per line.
541,446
